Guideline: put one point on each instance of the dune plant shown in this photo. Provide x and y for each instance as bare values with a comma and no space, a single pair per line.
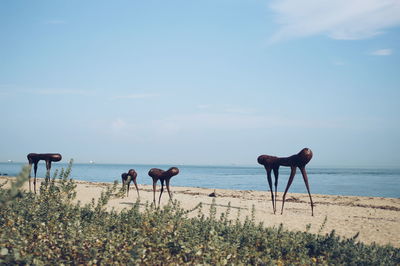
52,228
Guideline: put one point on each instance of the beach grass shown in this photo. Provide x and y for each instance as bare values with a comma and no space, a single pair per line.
52,228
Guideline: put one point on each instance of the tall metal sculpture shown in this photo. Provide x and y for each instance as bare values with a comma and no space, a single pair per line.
129,177
158,174
34,158
299,160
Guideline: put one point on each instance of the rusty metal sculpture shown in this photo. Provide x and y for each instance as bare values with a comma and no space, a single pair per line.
129,177
299,160
158,174
34,158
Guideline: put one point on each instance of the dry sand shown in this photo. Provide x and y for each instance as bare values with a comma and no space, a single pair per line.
376,219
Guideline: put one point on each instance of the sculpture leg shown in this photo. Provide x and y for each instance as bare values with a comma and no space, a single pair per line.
29,176
292,173
137,189
304,173
162,189
48,167
154,191
34,180
270,188
167,185
128,183
123,183
276,174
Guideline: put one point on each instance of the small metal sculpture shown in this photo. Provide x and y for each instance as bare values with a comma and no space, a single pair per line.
158,174
129,177
299,160
34,158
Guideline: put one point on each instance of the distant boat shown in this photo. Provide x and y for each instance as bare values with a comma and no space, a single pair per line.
91,162
10,161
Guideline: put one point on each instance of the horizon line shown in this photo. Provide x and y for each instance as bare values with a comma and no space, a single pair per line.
394,166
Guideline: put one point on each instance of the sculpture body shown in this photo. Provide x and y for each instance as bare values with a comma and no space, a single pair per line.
34,158
129,177
299,160
158,174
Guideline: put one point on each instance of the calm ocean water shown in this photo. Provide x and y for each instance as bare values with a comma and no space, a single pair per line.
334,181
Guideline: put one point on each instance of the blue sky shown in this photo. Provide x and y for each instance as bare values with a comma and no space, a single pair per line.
201,82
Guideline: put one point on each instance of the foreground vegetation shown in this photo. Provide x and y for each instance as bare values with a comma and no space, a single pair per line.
51,228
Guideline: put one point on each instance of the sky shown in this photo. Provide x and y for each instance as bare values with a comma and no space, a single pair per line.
211,82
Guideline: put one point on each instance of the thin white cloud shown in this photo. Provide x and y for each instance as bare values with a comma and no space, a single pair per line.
382,52
137,96
118,125
60,92
339,19
338,63
203,106
9,89
5,89
180,125
54,22
6,86
239,110
228,121
231,109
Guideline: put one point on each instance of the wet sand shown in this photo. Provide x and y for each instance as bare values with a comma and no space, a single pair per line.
376,219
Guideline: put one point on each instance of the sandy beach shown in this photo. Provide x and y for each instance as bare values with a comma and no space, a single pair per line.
375,219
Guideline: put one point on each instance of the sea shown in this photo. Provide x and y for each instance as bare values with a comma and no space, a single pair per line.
370,182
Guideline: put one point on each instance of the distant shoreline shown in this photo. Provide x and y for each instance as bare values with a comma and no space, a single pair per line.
327,181
255,165
148,187
184,180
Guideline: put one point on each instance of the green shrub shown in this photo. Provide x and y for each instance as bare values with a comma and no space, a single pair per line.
50,228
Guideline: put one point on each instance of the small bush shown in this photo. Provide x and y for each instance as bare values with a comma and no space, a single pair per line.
49,228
